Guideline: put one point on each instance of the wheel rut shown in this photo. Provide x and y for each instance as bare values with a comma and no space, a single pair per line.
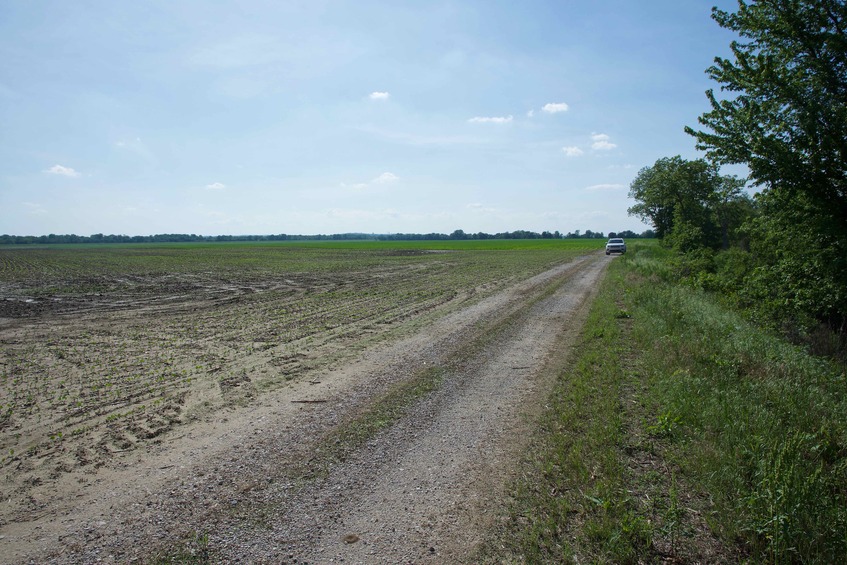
424,489
427,489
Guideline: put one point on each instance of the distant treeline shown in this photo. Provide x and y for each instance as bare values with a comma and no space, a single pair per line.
188,238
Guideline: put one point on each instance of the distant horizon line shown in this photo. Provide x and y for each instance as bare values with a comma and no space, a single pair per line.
344,236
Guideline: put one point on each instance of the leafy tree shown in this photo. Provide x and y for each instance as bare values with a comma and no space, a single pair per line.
796,280
788,119
731,207
784,115
689,203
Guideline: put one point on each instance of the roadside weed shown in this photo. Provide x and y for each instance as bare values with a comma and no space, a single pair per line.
575,501
682,432
192,551
761,426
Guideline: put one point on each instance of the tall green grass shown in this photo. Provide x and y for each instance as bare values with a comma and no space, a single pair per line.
680,431
764,424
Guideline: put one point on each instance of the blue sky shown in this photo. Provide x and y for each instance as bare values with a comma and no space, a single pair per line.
332,116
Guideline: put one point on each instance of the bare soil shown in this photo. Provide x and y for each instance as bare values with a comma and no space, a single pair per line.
246,468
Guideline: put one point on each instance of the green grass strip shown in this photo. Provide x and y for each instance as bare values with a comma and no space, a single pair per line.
761,425
345,440
572,503
678,431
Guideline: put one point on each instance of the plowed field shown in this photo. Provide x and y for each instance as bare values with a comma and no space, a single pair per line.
164,364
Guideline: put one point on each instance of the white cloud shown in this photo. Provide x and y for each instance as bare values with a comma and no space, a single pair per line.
132,143
478,207
379,95
530,113
240,52
359,214
603,145
601,142
385,178
60,170
419,139
136,147
490,120
216,186
555,107
572,151
605,187
35,209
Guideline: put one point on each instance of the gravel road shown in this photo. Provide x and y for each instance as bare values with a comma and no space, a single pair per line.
423,490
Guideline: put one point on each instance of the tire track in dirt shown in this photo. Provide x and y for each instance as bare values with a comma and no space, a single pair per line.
422,490
426,490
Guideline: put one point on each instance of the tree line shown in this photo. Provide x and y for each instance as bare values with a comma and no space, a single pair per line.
189,238
782,112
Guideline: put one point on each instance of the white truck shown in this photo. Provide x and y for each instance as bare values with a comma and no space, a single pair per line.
615,245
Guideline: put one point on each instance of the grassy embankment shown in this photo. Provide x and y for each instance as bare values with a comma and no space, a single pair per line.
680,431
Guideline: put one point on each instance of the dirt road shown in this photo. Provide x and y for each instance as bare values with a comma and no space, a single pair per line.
255,483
